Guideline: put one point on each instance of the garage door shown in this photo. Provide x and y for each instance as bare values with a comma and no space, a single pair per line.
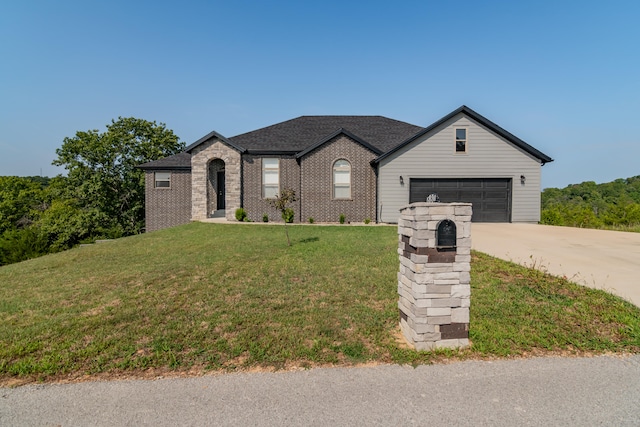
491,197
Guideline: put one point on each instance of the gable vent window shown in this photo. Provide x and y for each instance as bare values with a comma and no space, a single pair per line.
162,180
341,179
461,140
270,178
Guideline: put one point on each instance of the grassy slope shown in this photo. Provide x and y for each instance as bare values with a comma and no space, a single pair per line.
222,297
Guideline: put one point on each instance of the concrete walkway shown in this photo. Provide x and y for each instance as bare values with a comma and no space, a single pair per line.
601,259
529,392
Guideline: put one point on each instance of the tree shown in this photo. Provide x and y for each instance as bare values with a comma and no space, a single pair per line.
102,173
281,203
18,198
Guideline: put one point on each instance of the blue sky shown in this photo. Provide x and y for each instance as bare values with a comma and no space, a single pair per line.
562,75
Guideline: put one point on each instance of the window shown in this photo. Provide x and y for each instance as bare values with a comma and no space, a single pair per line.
461,140
162,180
341,179
270,178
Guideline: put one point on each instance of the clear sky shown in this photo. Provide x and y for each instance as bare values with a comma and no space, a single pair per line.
562,75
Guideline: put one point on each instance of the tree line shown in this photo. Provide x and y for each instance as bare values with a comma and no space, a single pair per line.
101,196
613,204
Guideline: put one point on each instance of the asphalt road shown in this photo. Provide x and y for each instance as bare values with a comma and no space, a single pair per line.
528,392
601,259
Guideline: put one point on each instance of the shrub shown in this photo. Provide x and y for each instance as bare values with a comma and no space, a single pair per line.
311,220
19,245
287,215
342,218
367,220
265,218
241,214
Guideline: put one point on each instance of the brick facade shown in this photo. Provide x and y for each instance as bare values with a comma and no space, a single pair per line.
253,202
201,156
167,207
316,192
192,195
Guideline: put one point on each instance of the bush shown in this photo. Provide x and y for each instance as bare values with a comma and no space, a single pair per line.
367,220
287,215
19,245
342,218
311,220
265,218
241,214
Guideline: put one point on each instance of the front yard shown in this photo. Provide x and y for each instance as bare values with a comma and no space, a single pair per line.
221,297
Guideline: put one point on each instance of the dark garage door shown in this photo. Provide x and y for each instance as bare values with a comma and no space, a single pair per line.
491,197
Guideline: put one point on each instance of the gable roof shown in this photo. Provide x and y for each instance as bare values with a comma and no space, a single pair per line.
299,134
340,131
483,121
304,134
215,134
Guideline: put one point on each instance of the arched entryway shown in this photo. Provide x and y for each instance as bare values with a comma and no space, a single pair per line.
216,189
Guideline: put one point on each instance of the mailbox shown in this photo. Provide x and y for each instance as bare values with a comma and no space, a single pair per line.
446,235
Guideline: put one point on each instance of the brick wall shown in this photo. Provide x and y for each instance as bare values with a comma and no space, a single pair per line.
253,202
167,207
317,182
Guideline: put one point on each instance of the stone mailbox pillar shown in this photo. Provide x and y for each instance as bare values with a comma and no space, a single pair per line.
434,279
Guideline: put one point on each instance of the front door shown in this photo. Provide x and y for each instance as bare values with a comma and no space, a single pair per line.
220,190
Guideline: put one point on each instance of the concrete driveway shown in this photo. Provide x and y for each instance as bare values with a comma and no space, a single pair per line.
600,259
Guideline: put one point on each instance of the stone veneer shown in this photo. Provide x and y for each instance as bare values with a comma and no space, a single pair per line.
434,285
200,158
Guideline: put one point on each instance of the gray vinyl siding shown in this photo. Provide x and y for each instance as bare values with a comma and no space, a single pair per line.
433,156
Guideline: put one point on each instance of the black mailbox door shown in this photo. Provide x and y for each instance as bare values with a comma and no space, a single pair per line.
446,237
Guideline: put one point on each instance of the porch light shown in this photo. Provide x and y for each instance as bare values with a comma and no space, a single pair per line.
522,179
401,180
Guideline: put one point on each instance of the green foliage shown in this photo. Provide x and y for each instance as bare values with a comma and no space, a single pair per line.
610,205
20,198
367,220
21,244
102,173
342,218
311,220
102,196
241,214
265,218
66,225
288,215
281,202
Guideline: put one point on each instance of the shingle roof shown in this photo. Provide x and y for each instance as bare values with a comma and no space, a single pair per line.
216,135
177,161
300,133
305,133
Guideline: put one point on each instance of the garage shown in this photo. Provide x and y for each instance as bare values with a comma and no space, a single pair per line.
491,197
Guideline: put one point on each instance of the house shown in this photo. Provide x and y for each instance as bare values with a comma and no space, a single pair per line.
365,167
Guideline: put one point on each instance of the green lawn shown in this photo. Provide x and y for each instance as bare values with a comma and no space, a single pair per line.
226,297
